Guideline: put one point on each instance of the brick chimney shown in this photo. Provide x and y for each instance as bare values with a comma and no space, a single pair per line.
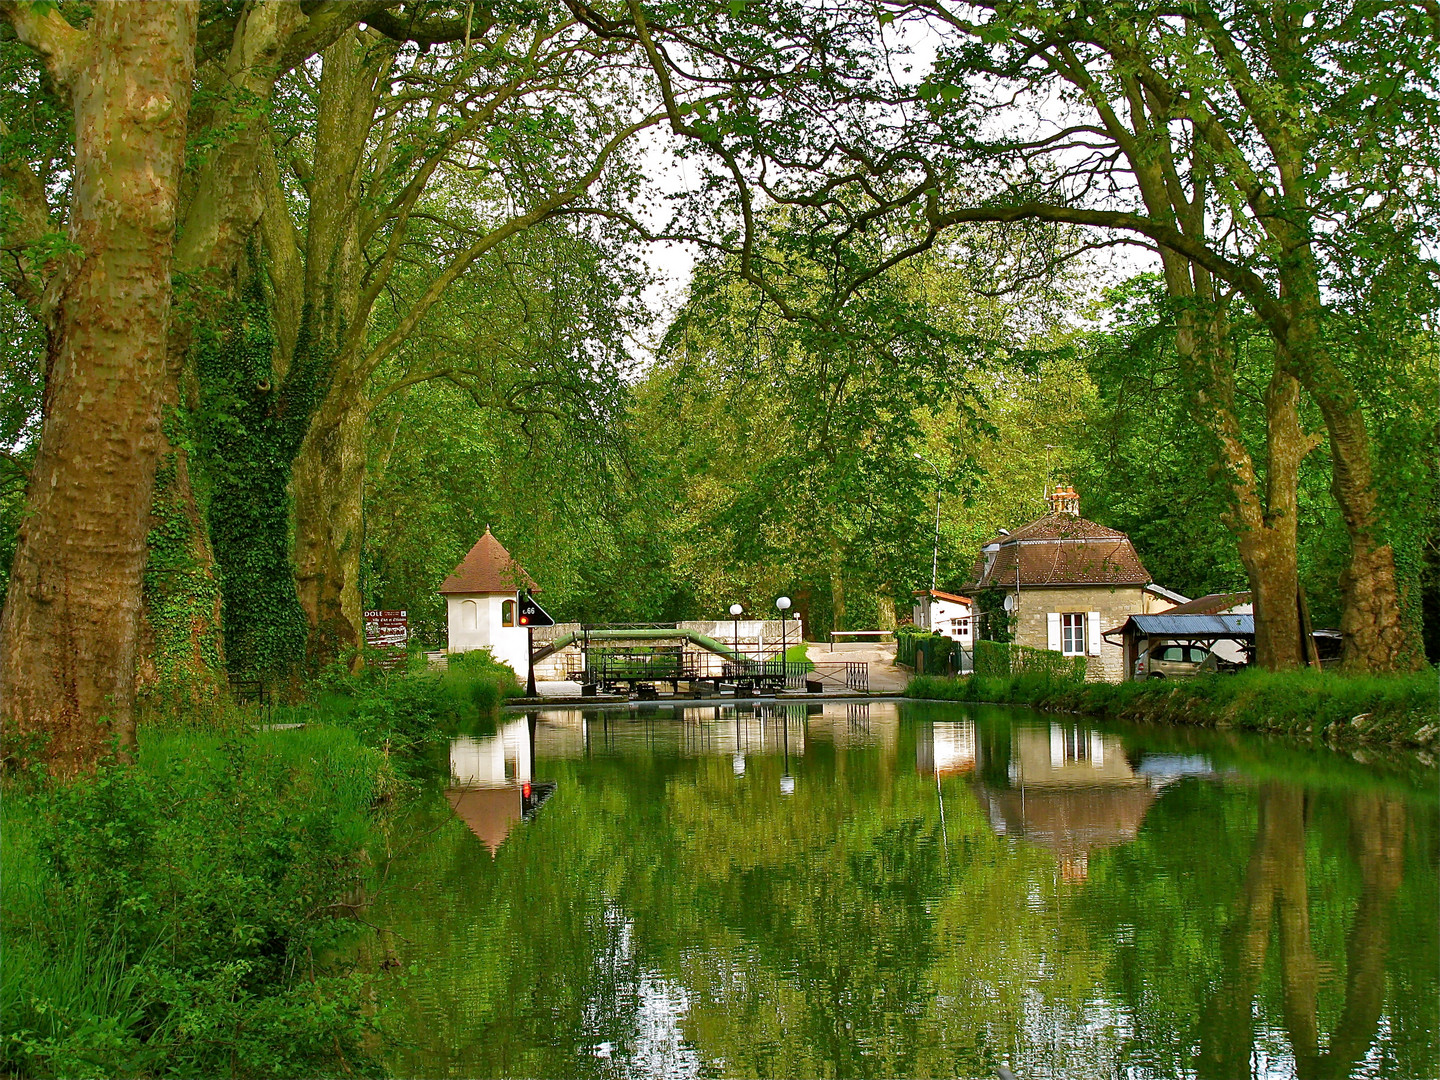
1065,500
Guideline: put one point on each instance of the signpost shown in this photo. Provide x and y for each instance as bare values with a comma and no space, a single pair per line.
530,615
386,629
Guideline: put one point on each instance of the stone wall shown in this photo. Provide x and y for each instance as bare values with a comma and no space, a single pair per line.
1114,603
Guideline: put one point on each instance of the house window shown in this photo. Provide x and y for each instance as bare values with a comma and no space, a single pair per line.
507,613
1072,633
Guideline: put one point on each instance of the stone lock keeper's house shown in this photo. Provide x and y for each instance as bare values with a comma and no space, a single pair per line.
1065,579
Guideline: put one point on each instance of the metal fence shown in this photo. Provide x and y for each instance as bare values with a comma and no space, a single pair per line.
616,664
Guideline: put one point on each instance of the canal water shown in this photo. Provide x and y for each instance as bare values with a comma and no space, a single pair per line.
908,889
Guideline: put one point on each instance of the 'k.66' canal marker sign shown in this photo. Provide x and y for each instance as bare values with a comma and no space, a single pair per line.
531,613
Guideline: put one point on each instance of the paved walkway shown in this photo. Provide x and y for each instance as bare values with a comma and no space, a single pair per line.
885,677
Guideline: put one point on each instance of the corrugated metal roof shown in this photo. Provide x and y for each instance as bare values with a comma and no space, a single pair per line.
1168,625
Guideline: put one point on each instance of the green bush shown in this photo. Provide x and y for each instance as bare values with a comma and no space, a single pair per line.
404,710
997,660
172,917
941,653
1397,709
477,680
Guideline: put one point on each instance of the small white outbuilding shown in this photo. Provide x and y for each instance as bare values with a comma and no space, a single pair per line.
480,601
946,614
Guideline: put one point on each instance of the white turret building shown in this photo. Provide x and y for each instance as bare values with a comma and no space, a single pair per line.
480,598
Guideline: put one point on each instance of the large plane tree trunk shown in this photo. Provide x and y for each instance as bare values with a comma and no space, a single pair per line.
182,652
71,621
1377,636
329,484
1268,537
1262,515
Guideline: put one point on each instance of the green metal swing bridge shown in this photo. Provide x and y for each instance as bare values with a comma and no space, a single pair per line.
638,658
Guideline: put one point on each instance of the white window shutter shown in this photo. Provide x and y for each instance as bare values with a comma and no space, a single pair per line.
1053,625
1094,634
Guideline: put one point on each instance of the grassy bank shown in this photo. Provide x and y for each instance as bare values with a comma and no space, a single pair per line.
1398,710
183,915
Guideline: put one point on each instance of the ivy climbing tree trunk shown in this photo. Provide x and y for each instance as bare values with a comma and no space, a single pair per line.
220,202
71,621
250,433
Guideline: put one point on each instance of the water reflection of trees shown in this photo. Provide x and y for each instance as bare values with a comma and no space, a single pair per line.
1276,901
839,930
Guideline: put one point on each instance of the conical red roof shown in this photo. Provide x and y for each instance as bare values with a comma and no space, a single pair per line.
488,568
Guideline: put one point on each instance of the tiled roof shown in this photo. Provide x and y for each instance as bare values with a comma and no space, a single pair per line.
1062,549
488,568
939,595
1063,527
1213,604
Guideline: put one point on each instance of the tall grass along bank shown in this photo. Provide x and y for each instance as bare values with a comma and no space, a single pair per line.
1398,710
192,913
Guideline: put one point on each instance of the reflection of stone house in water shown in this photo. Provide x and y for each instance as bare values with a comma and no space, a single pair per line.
948,751
1069,789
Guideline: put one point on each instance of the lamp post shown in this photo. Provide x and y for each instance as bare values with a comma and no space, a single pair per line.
935,556
735,612
784,605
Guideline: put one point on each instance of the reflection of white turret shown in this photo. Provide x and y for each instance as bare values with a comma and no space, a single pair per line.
494,759
491,779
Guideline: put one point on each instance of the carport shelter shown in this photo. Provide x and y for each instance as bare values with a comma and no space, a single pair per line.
1141,632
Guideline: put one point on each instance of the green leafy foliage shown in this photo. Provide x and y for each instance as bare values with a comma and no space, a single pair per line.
249,431
173,917
22,384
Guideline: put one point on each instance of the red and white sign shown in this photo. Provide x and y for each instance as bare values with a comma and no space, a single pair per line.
386,629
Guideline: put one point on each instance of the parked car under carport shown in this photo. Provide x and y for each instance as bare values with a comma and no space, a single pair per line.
1171,660
1190,635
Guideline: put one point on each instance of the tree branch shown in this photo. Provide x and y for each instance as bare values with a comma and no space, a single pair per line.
58,43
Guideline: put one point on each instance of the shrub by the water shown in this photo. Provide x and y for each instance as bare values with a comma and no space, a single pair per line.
173,917
186,914
1400,709
404,710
